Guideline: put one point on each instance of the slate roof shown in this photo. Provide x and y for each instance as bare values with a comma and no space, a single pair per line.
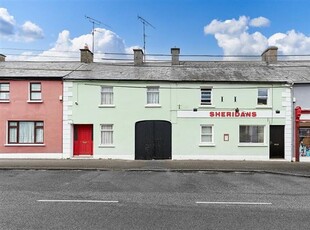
220,71
37,69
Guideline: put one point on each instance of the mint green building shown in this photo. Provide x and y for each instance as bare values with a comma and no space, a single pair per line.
178,110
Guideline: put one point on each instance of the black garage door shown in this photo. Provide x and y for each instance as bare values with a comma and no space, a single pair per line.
152,140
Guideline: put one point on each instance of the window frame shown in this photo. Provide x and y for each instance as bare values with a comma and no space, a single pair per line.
205,90
251,142
36,128
31,91
110,93
111,133
155,92
204,143
263,97
5,92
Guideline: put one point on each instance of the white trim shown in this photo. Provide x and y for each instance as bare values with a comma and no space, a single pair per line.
4,101
34,102
152,106
106,146
206,144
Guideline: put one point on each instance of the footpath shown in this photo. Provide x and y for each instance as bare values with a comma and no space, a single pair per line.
276,167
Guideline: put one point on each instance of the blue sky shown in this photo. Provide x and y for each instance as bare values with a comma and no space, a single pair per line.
196,26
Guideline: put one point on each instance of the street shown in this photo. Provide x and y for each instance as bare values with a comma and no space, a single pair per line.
84,199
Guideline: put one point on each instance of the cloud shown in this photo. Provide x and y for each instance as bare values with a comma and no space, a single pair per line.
259,22
67,48
10,30
7,23
234,38
30,31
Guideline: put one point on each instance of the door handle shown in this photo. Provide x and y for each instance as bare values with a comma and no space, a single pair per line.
84,142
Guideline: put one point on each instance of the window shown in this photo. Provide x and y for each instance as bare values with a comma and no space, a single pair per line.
4,91
26,132
106,95
206,134
106,134
205,96
262,96
152,95
251,134
35,92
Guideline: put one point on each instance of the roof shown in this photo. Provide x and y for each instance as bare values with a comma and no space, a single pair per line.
211,71
37,69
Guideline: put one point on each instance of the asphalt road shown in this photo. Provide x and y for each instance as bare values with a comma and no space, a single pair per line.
38,199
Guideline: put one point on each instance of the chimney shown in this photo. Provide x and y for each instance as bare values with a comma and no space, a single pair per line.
270,55
2,58
138,56
86,55
175,52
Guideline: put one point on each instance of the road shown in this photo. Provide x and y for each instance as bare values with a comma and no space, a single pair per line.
60,199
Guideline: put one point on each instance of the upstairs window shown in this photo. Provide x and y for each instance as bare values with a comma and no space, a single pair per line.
152,94
262,96
206,96
106,95
35,92
4,91
25,132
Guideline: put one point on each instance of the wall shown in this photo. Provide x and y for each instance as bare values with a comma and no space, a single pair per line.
49,111
175,99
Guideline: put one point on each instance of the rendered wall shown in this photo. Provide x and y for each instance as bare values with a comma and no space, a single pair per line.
130,107
19,109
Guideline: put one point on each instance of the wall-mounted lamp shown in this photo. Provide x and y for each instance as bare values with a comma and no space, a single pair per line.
237,110
277,111
195,109
76,103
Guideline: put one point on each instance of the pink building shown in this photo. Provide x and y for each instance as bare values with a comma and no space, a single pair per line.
31,109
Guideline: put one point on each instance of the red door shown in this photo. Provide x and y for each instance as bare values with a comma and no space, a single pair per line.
83,140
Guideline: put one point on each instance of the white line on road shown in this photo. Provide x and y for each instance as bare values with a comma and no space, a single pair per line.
233,203
80,201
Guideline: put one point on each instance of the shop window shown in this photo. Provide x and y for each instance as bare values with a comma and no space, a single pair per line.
251,133
262,96
106,134
206,96
152,94
4,91
25,132
106,95
304,140
206,134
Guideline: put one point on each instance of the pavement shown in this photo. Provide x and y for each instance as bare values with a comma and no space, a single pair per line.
275,167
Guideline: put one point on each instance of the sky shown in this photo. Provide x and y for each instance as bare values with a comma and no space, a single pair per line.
57,29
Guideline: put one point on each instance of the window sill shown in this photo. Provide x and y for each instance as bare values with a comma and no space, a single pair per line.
206,145
5,101
153,106
206,106
263,107
24,145
35,102
106,146
252,145
106,106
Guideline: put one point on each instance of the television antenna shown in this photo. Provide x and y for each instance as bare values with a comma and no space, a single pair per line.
94,22
145,23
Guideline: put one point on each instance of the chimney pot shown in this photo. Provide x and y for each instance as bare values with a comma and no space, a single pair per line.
138,56
270,55
86,55
2,58
175,56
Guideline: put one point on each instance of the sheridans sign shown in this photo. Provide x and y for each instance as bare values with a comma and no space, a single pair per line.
261,113
232,114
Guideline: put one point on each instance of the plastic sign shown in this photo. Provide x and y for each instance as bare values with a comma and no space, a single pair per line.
232,114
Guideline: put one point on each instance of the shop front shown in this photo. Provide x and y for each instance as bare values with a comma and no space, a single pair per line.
302,134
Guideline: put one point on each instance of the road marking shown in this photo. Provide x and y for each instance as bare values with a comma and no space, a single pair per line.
80,201
233,203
